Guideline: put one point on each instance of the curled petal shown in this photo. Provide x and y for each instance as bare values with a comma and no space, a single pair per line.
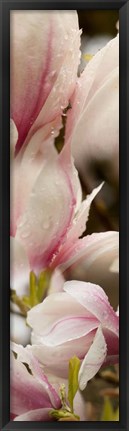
26,355
91,259
90,249
77,227
26,392
56,308
93,298
56,358
93,359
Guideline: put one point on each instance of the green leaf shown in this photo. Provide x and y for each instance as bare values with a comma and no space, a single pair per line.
108,413
36,291
74,365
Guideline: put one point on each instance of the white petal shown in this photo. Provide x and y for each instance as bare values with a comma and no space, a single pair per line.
93,298
55,308
49,211
77,227
93,359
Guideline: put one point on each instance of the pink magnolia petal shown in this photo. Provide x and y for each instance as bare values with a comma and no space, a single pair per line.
40,415
37,33
85,252
26,392
26,169
78,226
25,355
56,358
58,99
91,135
93,359
69,329
93,298
97,70
108,61
49,211
56,307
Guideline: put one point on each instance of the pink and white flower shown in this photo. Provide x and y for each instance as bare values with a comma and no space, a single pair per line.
78,321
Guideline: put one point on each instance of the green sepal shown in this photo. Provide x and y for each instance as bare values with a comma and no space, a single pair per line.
60,414
74,365
19,302
37,290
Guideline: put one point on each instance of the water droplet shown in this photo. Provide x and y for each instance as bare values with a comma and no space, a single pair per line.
52,130
25,234
46,224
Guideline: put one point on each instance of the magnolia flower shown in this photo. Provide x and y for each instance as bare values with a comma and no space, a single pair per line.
41,68
34,391
78,321
53,218
93,121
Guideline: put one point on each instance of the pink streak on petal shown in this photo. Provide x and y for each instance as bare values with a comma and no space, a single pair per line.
68,329
30,114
